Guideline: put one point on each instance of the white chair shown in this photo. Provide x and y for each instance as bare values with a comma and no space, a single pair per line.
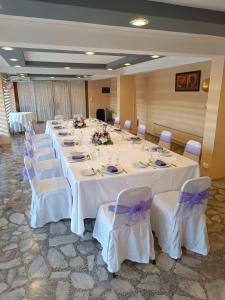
45,169
127,125
193,150
178,218
126,235
39,154
51,199
59,117
117,122
141,132
36,143
36,137
165,139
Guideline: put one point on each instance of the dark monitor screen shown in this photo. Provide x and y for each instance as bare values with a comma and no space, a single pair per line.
105,90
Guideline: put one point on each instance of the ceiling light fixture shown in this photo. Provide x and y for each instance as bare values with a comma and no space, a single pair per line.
127,64
139,22
155,56
52,77
13,59
90,53
109,69
17,66
67,68
7,48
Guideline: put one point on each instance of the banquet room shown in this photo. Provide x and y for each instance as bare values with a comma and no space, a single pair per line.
112,150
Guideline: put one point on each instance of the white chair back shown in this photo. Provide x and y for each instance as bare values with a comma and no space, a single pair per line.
59,117
29,148
165,139
117,121
193,197
30,172
141,130
193,150
127,125
131,198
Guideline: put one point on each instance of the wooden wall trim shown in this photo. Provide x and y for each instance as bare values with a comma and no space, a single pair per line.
86,99
16,96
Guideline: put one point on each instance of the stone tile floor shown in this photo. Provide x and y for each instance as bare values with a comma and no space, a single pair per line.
53,263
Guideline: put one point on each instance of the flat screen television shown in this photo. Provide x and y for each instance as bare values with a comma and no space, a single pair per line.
105,90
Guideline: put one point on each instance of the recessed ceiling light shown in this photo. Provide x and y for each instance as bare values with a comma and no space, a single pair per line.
52,77
7,48
90,53
139,22
13,59
127,64
109,69
17,66
155,56
67,68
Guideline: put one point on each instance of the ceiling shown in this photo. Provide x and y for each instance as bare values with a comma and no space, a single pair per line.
49,35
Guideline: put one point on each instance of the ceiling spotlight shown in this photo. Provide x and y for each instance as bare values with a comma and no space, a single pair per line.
7,48
90,53
52,77
78,77
139,22
17,66
127,64
155,56
13,59
67,68
109,69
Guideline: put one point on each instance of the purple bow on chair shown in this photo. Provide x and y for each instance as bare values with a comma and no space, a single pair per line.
25,174
190,199
193,149
134,212
165,138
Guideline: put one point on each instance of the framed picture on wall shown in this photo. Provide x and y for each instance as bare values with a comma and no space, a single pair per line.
188,81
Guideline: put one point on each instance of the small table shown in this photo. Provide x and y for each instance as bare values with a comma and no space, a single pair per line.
19,120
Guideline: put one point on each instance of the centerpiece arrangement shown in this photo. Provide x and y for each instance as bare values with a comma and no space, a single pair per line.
79,123
101,137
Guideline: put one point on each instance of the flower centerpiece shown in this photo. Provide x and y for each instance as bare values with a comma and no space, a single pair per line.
101,137
79,123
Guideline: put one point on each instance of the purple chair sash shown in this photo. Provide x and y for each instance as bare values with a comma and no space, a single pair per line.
141,130
165,138
134,212
25,174
31,173
127,125
190,199
193,149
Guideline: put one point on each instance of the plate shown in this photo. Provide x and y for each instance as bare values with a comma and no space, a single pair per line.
140,164
104,170
166,153
88,172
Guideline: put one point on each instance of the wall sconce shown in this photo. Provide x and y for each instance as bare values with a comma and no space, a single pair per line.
205,85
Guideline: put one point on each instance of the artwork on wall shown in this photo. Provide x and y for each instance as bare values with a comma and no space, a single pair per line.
188,81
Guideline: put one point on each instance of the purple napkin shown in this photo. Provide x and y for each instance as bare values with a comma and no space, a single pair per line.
135,138
160,163
157,148
69,143
112,169
58,127
78,156
62,133
117,129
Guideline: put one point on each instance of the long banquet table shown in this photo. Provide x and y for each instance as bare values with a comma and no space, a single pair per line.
90,192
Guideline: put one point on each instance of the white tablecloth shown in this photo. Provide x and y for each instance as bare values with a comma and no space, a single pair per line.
90,192
18,120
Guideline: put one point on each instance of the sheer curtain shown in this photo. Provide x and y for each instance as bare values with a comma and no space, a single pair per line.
27,97
61,95
44,100
77,92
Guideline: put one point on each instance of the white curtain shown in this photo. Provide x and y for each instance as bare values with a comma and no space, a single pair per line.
77,92
27,97
44,100
61,95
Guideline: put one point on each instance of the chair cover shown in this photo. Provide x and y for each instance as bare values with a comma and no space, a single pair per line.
117,121
178,218
46,169
192,150
39,154
51,199
127,125
141,131
165,139
125,235
59,117
37,142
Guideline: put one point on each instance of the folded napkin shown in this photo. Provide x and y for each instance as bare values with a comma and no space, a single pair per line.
158,148
135,138
78,156
160,163
68,142
112,169
62,133
117,129
58,127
